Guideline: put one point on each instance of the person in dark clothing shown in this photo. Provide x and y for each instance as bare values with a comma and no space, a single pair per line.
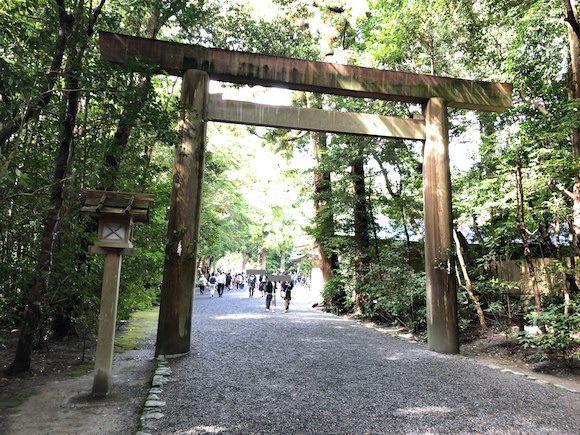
212,283
251,285
263,282
270,296
287,294
221,283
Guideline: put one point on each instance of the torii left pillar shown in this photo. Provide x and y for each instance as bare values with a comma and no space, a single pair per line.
179,274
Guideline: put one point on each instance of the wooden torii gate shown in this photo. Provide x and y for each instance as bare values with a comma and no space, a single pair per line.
197,65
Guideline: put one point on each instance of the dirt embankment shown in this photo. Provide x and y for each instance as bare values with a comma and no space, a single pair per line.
56,396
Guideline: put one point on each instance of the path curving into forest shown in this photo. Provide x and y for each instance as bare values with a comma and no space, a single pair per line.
309,372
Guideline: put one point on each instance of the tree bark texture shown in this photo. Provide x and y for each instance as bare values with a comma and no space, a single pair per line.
442,326
324,218
263,255
361,216
175,310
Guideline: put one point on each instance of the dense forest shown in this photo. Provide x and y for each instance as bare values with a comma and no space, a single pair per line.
71,122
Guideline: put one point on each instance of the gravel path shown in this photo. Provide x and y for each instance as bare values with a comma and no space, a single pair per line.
308,372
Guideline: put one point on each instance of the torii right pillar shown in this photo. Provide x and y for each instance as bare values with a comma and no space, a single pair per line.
442,327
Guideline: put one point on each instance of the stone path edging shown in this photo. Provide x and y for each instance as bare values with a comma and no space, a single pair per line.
154,406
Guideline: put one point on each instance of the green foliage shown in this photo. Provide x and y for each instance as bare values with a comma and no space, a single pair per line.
500,300
520,42
561,336
390,292
123,140
338,294
394,293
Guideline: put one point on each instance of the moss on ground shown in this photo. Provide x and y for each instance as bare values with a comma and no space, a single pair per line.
15,399
141,325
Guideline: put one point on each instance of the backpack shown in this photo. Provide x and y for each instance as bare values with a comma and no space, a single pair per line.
212,279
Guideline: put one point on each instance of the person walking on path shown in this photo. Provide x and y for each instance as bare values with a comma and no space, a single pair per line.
202,283
270,290
251,285
212,283
263,282
239,282
228,281
286,294
221,283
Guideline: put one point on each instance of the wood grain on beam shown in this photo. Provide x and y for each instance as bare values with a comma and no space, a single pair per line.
298,118
303,75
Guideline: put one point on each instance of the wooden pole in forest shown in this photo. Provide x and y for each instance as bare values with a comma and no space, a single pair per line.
175,310
107,320
442,327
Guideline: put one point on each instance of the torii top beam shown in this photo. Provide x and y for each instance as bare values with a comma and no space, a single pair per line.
303,75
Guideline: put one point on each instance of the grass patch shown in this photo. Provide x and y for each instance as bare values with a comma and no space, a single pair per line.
82,369
15,399
141,325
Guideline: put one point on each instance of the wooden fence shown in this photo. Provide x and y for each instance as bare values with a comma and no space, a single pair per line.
551,281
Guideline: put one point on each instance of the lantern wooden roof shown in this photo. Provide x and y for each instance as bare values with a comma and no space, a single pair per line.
117,204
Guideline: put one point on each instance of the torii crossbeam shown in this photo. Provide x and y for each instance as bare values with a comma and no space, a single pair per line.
197,65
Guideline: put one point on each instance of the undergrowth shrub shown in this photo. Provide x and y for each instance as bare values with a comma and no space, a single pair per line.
390,292
395,294
336,295
562,332
501,302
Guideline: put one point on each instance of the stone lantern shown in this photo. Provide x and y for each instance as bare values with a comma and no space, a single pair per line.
116,213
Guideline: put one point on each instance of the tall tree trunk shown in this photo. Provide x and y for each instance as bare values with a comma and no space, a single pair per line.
361,225
520,221
263,258
324,218
373,224
282,261
361,215
38,288
574,94
244,260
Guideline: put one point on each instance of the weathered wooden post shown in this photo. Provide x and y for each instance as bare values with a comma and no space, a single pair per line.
442,328
175,310
116,213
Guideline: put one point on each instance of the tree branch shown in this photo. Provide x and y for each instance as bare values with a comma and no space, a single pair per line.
17,122
565,191
571,18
